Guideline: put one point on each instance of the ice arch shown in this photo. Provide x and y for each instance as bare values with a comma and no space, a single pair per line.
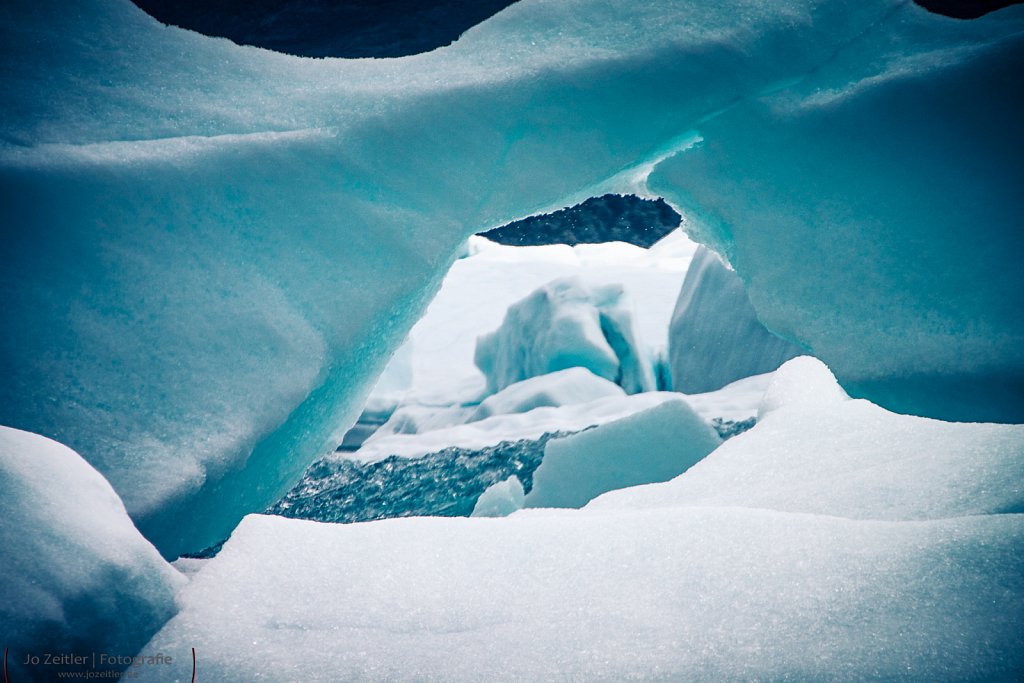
209,251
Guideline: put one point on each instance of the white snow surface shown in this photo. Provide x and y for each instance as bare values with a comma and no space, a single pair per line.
833,541
815,450
77,577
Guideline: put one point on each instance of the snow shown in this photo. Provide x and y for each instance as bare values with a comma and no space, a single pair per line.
448,427
76,577
564,387
715,336
650,446
814,450
210,251
702,594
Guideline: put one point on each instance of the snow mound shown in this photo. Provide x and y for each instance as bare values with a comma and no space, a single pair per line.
564,387
715,336
650,446
815,451
76,577
565,324
698,594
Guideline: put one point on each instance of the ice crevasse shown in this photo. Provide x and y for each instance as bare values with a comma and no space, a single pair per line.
209,251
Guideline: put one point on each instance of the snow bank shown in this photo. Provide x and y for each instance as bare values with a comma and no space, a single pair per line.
76,576
701,594
814,450
653,445
565,324
715,336
210,251
561,388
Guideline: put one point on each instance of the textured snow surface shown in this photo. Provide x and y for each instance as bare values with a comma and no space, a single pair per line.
210,251
705,594
565,324
833,541
76,577
815,450
715,337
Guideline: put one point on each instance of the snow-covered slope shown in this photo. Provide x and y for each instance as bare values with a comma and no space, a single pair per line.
835,540
210,251
76,578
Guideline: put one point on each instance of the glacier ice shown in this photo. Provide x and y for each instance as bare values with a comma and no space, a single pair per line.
560,388
715,336
501,499
76,577
210,250
565,324
650,446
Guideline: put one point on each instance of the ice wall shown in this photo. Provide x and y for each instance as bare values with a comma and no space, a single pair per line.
715,337
210,251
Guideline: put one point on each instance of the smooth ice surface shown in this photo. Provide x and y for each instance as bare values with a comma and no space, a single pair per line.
76,577
814,450
210,251
564,387
696,594
650,446
565,324
715,337
501,499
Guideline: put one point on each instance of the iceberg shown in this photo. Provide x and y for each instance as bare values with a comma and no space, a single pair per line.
501,499
654,445
565,387
715,337
77,578
210,251
565,324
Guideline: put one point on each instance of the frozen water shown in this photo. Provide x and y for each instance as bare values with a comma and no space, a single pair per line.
447,482
715,337
565,324
814,450
210,251
76,577
650,446
501,499
445,427
564,387
479,288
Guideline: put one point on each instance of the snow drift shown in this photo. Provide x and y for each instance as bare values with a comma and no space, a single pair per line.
77,578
